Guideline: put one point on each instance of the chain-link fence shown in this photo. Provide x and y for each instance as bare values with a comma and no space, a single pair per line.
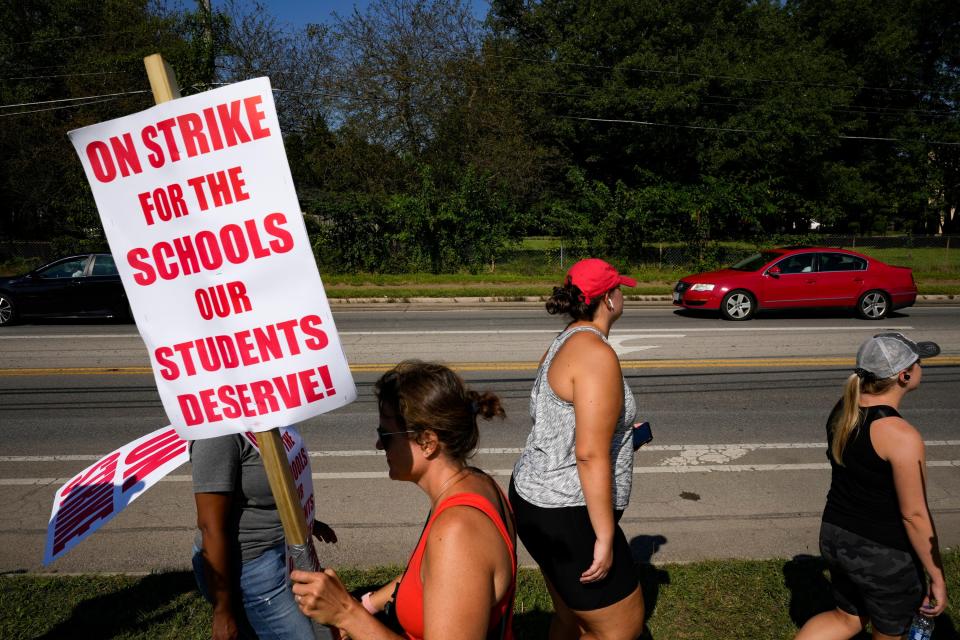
928,253
923,253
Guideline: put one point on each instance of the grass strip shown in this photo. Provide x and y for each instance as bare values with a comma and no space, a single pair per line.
701,600
399,293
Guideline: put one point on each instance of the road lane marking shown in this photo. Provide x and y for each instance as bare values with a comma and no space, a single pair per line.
362,453
662,333
377,475
785,329
71,336
939,361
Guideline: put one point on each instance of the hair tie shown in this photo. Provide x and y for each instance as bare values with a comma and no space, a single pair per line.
474,407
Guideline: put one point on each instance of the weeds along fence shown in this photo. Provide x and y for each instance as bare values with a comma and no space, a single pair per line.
923,253
926,254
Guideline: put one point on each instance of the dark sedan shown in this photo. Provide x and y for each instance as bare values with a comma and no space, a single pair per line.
82,286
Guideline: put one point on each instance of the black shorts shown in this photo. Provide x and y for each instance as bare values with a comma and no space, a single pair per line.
869,579
561,541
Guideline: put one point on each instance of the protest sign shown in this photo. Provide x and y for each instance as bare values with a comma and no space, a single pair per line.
200,212
97,494
300,471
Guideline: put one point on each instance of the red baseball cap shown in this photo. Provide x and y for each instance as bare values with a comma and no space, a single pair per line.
594,277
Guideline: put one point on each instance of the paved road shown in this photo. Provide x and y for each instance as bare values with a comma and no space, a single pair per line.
737,468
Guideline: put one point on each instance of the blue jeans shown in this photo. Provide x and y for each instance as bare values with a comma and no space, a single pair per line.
267,600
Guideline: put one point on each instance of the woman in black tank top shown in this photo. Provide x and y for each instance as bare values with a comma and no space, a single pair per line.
877,535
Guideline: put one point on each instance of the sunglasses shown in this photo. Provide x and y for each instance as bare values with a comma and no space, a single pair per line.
383,434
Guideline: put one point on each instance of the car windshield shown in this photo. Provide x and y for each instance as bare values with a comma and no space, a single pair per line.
756,261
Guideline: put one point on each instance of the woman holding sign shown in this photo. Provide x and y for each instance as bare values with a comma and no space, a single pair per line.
460,581
240,555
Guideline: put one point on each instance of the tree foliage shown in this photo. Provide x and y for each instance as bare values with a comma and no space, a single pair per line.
421,138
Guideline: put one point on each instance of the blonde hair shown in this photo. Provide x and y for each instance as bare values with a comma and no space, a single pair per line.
849,416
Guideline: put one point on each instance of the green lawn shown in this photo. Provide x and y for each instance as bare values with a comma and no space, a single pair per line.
703,600
937,272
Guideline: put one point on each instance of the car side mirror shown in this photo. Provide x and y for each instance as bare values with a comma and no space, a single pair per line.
774,272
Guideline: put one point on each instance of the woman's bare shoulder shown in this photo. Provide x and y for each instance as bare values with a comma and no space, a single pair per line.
893,437
585,344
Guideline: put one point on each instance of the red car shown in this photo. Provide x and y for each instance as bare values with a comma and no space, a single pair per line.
800,277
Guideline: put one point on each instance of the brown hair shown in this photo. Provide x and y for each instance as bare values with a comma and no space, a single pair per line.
849,415
426,395
568,299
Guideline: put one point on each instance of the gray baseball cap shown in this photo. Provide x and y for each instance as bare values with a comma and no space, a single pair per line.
887,354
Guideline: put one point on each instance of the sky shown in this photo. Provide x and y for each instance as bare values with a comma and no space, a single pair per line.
300,12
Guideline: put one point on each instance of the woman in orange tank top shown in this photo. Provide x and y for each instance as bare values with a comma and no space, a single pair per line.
460,581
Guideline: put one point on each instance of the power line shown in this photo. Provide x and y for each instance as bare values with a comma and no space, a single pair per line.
724,129
68,75
103,95
86,35
805,83
67,106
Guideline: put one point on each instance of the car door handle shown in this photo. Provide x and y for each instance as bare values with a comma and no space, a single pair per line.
811,281
858,280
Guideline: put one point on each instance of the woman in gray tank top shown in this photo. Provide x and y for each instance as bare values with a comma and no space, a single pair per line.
573,479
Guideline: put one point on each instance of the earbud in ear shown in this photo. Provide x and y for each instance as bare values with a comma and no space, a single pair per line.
906,376
609,305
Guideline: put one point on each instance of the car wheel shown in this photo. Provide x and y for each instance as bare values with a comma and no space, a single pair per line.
874,305
738,305
8,312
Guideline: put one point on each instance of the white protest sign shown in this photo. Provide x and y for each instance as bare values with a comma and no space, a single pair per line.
203,221
98,493
300,469
302,474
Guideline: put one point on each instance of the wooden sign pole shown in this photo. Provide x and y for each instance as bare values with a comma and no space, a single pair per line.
163,82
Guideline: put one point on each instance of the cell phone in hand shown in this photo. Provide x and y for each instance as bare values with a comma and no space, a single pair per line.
642,434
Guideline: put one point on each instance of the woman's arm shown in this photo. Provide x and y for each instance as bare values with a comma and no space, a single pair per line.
902,446
597,402
213,520
380,597
322,596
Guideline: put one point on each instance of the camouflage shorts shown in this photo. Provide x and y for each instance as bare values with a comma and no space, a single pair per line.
869,579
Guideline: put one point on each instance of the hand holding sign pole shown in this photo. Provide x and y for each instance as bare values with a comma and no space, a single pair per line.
299,540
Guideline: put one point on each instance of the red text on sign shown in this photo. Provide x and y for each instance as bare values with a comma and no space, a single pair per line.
247,347
257,398
186,135
208,250
225,125
224,187
86,499
222,300
150,455
106,159
167,203
299,463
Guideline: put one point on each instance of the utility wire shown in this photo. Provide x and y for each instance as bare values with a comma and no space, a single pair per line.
805,83
86,35
68,106
689,126
68,75
103,95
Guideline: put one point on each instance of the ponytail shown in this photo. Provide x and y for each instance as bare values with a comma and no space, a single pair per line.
850,415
